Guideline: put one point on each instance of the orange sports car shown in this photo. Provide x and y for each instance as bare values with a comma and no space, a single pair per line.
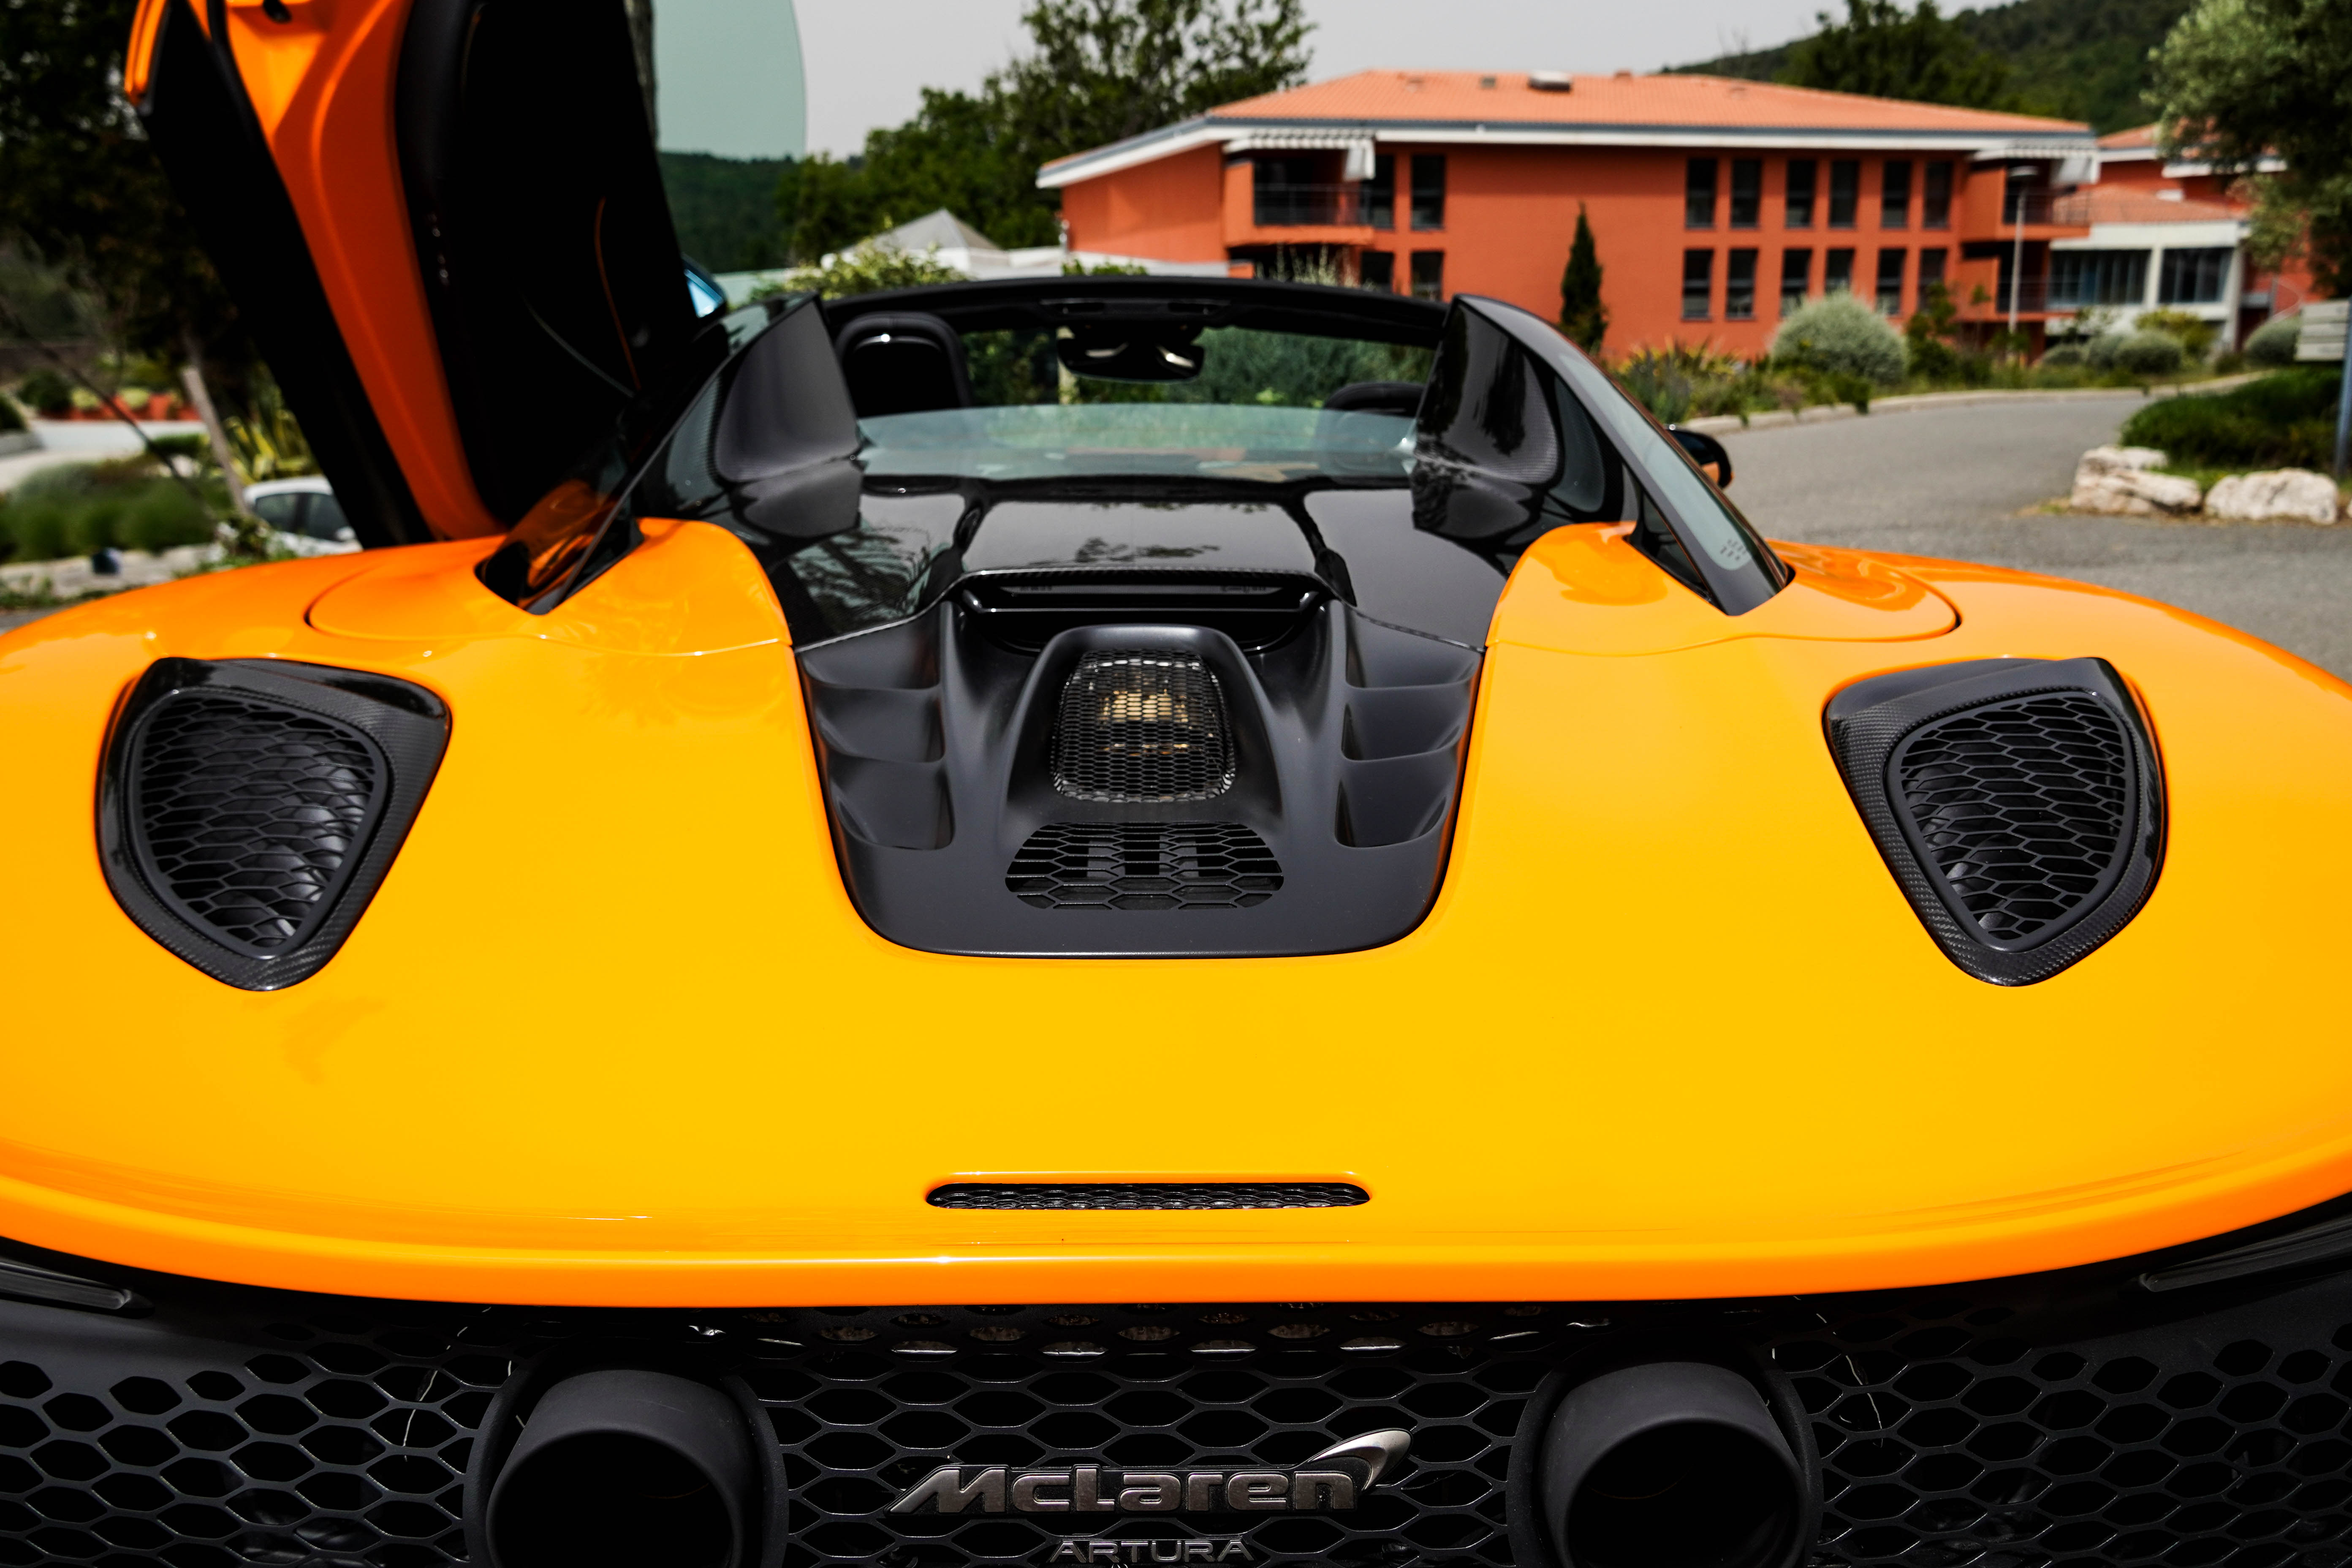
1107,920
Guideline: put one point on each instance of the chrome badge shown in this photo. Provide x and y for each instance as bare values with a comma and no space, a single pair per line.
1332,1481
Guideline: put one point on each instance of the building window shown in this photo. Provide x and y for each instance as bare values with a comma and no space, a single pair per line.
1379,193
1935,199
1895,193
1286,192
1800,202
1931,271
1890,281
1429,192
1746,192
1845,191
2194,277
2021,201
1837,276
2081,277
1428,273
1739,287
1796,279
1699,193
1377,270
1698,284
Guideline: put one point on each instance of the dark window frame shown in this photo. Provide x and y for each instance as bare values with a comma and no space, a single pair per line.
1378,194
1935,265
1698,268
1739,285
1700,181
1880,292
1837,269
1425,274
1802,273
1746,192
1376,270
1428,174
1935,197
2186,273
1802,194
1845,192
1895,193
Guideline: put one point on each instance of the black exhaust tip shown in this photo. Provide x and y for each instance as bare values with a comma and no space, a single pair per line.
622,1469
1671,1465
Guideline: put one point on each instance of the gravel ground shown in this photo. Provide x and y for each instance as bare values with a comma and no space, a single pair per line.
1953,482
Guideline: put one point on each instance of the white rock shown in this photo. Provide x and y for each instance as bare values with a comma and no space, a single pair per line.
2130,493
2116,460
2281,495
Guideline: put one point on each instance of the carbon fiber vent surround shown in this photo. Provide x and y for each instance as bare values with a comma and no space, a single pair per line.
1148,1195
251,807
2017,802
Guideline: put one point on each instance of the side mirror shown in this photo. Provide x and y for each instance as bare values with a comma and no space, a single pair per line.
1713,458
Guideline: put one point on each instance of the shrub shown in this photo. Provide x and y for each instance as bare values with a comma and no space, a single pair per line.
2285,420
80,508
2272,344
2194,333
2065,356
1842,335
46,393
2099,353
10,420
2150,353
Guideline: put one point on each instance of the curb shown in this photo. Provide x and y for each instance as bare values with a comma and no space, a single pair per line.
16,441
1777,419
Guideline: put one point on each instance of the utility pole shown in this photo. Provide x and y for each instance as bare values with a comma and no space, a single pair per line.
2018,174
2343,407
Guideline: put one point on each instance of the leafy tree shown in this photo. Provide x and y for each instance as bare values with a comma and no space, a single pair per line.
2240,79
1881,51
1583,316
1099,71
725,210
81,191
1928,334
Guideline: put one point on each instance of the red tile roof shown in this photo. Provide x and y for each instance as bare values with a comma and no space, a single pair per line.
1617,100
2135,204
2138,136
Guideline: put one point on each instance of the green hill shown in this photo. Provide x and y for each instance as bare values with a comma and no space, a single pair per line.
725,210
2074,59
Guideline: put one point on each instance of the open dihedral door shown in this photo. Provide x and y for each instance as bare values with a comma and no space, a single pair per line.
443,223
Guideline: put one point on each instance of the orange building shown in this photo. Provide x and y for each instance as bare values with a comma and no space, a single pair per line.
2145,201
1717,204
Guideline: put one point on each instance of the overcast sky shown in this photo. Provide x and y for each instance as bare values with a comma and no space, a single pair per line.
868,60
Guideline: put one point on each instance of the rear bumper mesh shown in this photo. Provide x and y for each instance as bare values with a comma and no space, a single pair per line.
2008,1425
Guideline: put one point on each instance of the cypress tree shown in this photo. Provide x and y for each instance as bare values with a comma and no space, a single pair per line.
1581,314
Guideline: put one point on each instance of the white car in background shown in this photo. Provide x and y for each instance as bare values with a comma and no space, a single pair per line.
306,514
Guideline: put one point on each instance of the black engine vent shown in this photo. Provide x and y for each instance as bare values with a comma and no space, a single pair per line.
1144,866
1148,1195
251,807
2018,803
1142,725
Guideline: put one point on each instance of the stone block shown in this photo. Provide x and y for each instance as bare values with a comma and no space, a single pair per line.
2280,495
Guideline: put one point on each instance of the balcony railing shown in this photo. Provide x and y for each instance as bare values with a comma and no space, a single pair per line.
1308,206
2036,206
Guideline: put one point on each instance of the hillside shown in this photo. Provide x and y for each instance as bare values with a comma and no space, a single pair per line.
725,210
2074,59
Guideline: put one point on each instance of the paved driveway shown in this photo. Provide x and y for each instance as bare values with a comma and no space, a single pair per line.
1951,483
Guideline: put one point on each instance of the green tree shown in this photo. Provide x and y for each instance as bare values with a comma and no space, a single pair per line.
1583,316
81,191
1097,72
2240,80
1881,51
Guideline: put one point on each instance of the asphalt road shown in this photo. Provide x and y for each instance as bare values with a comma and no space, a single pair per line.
1952,482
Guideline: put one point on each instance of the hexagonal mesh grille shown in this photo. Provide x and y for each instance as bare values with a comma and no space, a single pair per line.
1140,725
1948,1440
1144,866
1954,1433
247,816
346,1445
2022,806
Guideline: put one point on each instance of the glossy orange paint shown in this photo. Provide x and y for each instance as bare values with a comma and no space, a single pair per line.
321,88
612,1031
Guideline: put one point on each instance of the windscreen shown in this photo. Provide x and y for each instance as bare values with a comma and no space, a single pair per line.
1232,403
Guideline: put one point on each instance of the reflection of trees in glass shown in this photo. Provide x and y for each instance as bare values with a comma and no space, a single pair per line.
1275,370
868,577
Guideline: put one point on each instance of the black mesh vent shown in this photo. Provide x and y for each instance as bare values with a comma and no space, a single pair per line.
2022,806
250,808
1144,866
2019,801
1148,1195
1142,725
247,816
